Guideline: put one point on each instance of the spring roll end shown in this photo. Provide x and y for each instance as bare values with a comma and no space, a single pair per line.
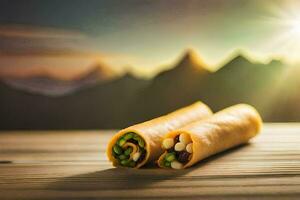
230,127
114,140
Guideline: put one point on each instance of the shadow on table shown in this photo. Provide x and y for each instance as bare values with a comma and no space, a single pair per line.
126,178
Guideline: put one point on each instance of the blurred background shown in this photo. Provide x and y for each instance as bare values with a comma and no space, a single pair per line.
73,64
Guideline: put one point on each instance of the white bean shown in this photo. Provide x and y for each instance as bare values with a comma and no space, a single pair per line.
168,143
176,165
184,138
189,148
179,146
136,156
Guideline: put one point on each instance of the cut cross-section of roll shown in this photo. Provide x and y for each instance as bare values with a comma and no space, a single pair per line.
228,128
141,143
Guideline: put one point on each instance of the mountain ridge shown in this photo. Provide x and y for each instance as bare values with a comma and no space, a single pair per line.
191,58
188,68
127,100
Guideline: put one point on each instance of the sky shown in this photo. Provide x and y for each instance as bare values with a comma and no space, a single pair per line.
144,33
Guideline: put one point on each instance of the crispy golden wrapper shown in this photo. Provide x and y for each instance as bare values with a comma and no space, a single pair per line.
228,128
153,131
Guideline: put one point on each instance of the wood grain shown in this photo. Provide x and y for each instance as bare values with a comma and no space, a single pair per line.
73,165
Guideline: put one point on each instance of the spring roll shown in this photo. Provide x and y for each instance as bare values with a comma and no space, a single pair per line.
228,128
141,143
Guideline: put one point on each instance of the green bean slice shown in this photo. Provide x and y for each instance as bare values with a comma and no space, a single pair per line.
125,162
128,136
128,151
117,149
123,157
121,141
167,164
170,157
141,142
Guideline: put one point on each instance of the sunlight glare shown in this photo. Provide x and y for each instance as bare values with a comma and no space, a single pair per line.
285,40
295,25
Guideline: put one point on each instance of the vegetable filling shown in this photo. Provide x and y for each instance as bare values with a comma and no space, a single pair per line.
178,151
129,150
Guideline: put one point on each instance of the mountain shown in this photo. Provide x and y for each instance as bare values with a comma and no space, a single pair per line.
162,94
273,88
50,86
188,69
98,71
238,81
242,80
103,105
189,64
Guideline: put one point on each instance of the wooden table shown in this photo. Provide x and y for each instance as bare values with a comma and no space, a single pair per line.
73,165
